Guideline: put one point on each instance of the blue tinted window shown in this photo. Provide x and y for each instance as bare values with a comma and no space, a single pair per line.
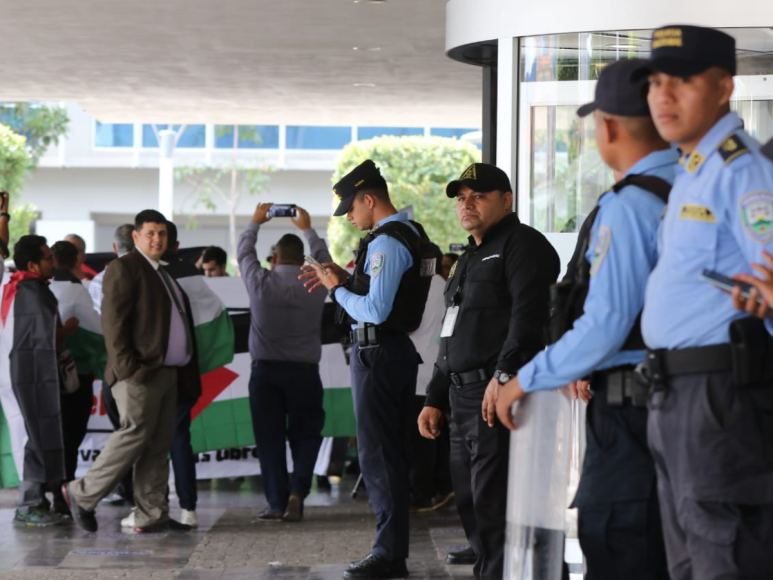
194,136
370,132
250,137
318,137
114,135
450,132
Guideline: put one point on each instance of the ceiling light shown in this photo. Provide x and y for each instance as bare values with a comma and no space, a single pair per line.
369,1
363,84
367,48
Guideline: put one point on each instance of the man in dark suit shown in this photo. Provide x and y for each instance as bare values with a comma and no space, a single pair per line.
148,331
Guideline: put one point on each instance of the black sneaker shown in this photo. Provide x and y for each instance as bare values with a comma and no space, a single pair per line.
37,518
376,568
169,525
270,515
464,557
294,511
84,518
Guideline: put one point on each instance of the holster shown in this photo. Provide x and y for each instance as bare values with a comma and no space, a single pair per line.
367,335
752,353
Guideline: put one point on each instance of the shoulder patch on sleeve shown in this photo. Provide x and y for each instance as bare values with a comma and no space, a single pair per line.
756,209
732,148
376,264
603,239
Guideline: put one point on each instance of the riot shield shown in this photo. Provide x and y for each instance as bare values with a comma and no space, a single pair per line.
545,449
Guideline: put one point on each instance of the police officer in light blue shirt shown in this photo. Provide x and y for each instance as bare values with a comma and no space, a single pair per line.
619,523
710,427
384,301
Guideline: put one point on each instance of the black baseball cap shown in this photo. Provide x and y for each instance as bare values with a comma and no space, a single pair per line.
767,150
618,93
683,51
365,176
481,177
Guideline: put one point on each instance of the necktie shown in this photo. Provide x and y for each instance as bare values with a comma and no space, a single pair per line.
170,286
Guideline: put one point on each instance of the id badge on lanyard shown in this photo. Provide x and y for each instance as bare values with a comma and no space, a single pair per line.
452,312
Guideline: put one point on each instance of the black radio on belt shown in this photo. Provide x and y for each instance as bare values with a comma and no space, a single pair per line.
367,335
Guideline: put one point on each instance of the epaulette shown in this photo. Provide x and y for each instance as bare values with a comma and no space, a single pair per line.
732,148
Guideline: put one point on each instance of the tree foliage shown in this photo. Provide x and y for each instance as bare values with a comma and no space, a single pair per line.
417,170
226,183
15,162
42,125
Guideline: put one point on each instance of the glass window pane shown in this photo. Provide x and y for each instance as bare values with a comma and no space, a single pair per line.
250,137
451,133
371,132
318,137
149,135
194,136
114,135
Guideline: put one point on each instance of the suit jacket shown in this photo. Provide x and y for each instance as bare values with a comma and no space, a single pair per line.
136,310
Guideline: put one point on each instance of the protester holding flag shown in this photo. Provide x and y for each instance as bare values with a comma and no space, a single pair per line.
32,379
88,351
148,328
285,345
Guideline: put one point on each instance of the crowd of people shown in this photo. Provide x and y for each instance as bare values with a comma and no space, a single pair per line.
677,479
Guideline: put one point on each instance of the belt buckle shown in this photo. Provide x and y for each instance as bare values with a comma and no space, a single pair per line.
456,380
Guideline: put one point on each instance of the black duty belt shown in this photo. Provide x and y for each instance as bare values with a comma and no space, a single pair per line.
661,364
284,364
622,385
458,380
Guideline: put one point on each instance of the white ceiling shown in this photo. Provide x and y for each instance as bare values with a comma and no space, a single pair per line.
239,61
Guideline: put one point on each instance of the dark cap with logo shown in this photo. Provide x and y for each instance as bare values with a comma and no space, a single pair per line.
683,51
480,177
365,176
618,93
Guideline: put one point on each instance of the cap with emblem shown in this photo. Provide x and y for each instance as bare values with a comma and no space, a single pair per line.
365,176
618,93
481,177
684,51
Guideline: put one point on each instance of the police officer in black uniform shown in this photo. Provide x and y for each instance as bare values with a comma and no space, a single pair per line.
497,308
383,301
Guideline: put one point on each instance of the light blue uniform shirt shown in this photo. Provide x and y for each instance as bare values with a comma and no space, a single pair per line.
387,261
719,217
622,254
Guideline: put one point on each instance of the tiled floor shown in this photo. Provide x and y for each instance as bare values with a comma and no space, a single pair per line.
228,545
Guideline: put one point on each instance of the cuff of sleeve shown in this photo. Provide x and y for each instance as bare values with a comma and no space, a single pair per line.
526,376
437,391
509,366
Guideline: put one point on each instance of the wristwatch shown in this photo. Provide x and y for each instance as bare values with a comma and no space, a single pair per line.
5,214
502,377
332,291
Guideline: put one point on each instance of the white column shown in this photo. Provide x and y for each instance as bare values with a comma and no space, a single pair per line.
507,110
166,143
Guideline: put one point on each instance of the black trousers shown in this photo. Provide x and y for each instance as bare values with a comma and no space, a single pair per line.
479,461
286,405
430,461
383,388
712,448
183,459
619,524
125,487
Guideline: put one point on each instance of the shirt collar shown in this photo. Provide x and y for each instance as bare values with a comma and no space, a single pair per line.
653,161
279,268
492,231
155,264
728,124
400,216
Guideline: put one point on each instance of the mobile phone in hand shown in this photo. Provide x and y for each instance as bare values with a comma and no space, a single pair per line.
727,284
309,259
456,248
286,210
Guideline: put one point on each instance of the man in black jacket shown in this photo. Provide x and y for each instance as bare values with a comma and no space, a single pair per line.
497,307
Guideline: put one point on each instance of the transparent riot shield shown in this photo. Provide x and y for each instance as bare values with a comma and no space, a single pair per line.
545,449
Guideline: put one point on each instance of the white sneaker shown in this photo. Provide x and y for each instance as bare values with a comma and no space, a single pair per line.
128,521
188,517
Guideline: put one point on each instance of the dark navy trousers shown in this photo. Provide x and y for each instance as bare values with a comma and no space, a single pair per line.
286,405
383,389
183,459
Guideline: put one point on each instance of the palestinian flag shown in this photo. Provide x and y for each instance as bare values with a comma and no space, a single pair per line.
31,442
88,345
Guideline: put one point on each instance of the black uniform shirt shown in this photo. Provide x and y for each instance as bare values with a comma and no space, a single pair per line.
502,290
